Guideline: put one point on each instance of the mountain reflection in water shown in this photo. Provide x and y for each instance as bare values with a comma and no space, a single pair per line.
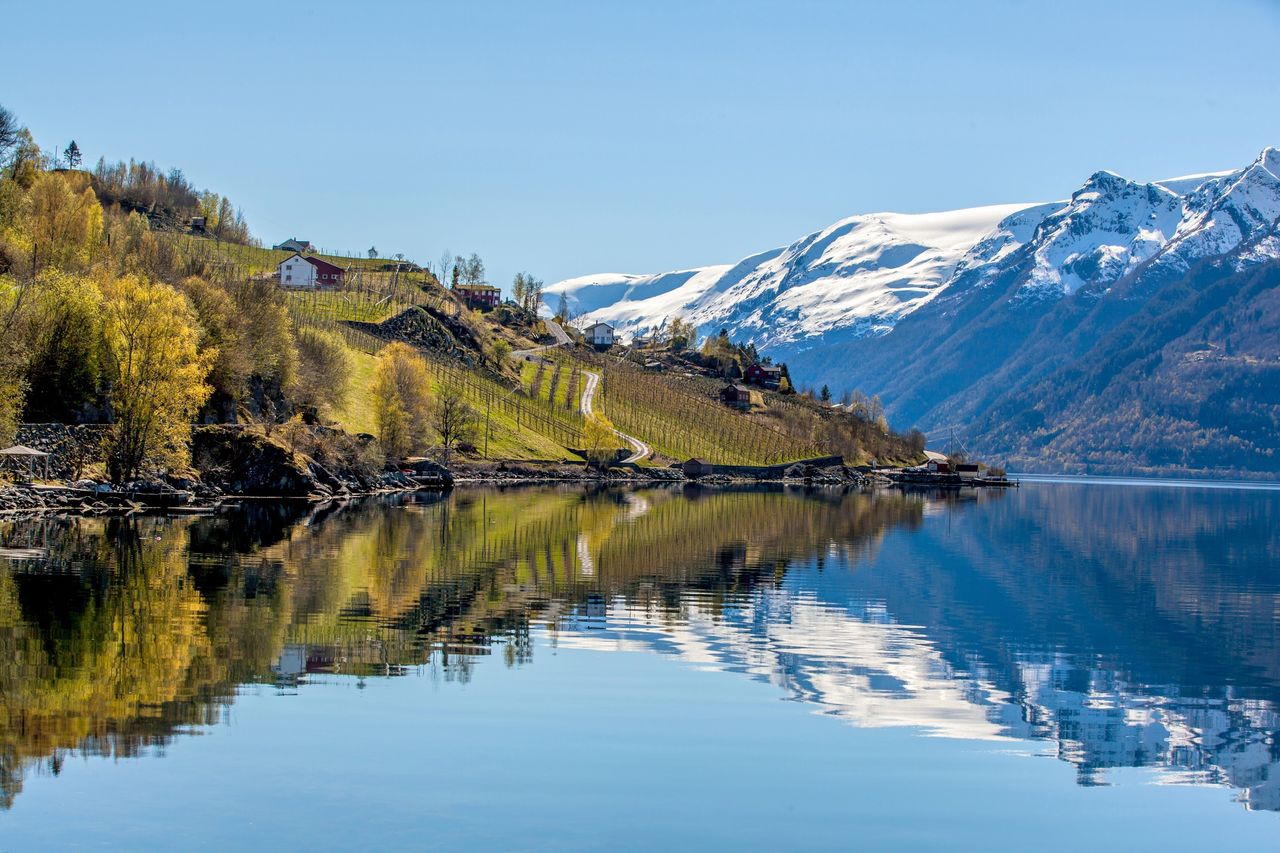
1125,627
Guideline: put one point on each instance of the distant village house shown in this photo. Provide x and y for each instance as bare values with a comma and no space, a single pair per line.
764,375
482,296
297,271
294,245
599,335
740,396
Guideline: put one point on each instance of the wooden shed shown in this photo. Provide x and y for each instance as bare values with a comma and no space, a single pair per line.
739,396
695,468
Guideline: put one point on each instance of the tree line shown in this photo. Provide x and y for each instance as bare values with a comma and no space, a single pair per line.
102,321
146,188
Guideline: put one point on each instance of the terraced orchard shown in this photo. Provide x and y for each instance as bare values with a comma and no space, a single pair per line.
680,422
555,384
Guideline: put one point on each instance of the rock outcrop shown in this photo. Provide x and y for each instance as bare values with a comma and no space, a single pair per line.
247,462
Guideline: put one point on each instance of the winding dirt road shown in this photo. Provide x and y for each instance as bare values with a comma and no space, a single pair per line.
561,336
640,450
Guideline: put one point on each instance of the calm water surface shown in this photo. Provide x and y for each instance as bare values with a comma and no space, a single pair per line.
1065,666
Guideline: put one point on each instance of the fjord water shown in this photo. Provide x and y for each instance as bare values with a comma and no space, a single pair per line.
1059,666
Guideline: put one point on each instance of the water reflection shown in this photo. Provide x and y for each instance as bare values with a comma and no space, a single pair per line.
1124,627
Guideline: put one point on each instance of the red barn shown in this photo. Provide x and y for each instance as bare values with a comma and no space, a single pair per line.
327,275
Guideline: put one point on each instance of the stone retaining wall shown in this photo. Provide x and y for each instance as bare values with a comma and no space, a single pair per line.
70,446
775,472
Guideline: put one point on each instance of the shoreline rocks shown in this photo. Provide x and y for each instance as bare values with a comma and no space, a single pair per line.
232,462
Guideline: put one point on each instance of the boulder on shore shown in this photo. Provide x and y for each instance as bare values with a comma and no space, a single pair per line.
425,471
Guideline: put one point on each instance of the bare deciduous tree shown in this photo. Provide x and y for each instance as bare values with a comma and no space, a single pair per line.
455,418
9,130
443,266
473,270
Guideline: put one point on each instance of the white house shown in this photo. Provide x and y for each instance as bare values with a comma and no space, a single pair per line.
294,245
297,271
599,334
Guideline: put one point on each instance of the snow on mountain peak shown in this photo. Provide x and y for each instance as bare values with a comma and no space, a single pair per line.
1111,225
1225,211
1269,159
863,274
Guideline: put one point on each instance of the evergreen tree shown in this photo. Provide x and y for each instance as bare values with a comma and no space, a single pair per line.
825,395
72,155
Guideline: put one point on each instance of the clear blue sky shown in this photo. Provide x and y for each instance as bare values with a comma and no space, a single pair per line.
569,138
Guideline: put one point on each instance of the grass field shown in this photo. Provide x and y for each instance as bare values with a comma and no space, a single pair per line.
356,414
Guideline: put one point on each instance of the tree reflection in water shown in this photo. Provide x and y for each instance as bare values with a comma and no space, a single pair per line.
1020,619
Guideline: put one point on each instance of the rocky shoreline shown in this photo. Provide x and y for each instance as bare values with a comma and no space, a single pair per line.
313,483
90,498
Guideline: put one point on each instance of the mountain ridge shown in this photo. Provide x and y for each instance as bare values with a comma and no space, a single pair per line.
954,326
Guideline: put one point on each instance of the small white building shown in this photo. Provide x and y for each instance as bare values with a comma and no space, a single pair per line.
297,271
599,334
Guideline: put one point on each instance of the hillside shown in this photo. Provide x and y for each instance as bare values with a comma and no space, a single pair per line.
1130,328
136,306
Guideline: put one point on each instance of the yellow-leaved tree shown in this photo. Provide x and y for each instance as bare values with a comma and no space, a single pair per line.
401,400
64,220
323,376
248,324
157,375
599,441
13,359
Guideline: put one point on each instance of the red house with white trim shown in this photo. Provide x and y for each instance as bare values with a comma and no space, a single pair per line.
480,296
764,375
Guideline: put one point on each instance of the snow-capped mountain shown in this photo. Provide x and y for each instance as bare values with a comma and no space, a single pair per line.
1132,326
862,275
859,276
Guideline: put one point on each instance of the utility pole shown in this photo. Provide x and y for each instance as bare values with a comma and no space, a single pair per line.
488,405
